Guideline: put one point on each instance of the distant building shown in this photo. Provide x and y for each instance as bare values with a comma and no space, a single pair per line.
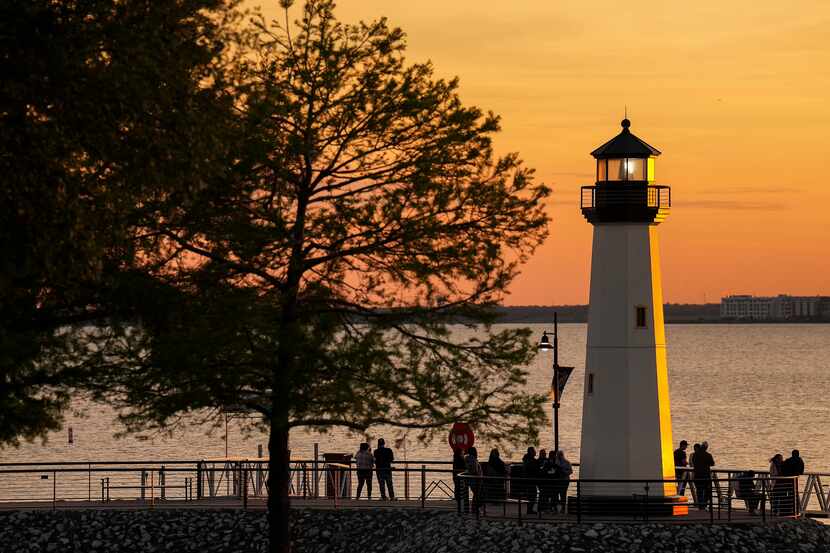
781,307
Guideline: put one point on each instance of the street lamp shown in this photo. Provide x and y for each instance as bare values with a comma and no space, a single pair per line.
560,375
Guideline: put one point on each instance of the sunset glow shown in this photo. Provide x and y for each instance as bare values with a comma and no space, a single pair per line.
734,95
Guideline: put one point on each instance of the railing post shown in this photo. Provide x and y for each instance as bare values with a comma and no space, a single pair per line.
423,486
198,480
316,470
578,501
162,483
456,480
711,501
729,500
54,489
336,474
521,490
244,488
797,499
406,481
89,481
763,500
645,505
143,483
506,495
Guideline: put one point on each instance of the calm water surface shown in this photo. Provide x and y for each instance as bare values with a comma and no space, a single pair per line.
750,390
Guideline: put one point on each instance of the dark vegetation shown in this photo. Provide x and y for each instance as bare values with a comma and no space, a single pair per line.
201,210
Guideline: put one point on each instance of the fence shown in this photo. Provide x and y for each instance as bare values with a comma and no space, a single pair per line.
594,499
72,482
422,482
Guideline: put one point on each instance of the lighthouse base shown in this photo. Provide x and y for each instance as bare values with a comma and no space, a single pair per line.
633,506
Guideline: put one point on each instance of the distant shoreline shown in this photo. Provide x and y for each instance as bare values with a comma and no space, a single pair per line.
674,313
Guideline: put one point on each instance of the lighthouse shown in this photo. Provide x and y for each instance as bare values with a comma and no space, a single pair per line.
626,418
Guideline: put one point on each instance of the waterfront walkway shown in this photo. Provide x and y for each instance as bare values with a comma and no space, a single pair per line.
242,484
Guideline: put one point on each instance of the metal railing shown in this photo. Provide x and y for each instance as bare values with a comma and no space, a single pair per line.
426,482
715,499
653,196
68,483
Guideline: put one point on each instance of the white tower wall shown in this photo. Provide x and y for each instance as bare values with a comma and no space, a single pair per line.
626,421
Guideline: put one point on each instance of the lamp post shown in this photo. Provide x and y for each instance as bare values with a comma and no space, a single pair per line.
560,375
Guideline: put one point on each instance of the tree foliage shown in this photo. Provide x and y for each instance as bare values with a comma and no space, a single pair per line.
286,222
366,211
104,105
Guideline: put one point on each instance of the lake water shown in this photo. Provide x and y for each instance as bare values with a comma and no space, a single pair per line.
749,390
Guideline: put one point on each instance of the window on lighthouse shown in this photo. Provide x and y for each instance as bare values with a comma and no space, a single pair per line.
640,314
624,169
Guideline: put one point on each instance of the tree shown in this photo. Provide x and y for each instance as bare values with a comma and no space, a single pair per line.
366,211
104,105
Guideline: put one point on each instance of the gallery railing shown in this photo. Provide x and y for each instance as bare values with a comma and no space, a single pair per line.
652,196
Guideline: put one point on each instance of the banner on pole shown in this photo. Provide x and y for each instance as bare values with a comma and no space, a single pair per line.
564,374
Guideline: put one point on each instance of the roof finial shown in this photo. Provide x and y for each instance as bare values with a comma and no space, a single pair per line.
625,122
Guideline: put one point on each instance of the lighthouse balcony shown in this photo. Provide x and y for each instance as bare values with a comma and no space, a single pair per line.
626,203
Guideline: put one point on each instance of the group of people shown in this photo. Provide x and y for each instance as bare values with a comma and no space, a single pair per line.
782,492
783,495
381,462
541,481
701,463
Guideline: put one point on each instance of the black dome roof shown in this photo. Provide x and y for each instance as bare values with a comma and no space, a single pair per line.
625,144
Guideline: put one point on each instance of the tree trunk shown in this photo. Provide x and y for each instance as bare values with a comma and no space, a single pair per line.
279,507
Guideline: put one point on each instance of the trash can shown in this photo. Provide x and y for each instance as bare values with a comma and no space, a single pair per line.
338,474
519,488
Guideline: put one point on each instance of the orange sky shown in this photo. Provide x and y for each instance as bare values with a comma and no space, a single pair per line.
735,94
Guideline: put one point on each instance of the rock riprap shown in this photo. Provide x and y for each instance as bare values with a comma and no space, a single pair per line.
387,530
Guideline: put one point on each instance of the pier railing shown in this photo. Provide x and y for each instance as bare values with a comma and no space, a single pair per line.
717,499
68,484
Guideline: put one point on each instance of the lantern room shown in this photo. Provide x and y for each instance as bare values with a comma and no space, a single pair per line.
625,191
625,158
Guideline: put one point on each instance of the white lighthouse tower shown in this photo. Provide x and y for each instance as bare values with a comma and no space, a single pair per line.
626,419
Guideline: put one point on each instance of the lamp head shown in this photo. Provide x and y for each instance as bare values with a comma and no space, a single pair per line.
544,343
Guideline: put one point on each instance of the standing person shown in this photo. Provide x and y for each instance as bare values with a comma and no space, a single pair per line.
563,476
531,470
383,465
540,480
695,449
364,462
746,491
474,477
703,475
680,463
461,494
776,489
497,487
547,480
792,467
